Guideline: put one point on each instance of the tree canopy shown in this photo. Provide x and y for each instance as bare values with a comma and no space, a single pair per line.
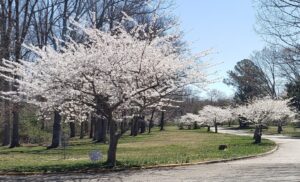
248,79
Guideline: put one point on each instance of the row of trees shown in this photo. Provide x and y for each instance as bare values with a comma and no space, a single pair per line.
259,112
47,23
115,76
209,116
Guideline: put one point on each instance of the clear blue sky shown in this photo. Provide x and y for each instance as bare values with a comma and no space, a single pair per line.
227,26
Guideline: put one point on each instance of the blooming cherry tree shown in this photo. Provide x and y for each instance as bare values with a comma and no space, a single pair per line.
262,110
189,120
114,75
215,115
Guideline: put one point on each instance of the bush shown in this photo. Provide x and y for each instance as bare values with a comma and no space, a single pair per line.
188,126
33,134
30,129
180,126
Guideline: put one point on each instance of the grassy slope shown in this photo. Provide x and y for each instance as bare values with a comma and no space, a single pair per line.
170,146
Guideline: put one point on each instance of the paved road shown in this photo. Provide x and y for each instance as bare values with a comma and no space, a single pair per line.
283,165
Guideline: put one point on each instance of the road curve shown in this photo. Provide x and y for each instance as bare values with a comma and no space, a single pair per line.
282,165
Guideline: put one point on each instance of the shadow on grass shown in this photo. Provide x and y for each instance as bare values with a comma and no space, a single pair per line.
32,150
78,167
241,128
25,150
51,151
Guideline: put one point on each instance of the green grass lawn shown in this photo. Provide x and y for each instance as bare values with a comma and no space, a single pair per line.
167,147
272,130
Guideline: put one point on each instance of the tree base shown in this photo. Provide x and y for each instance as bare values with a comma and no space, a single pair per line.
14,145
52,147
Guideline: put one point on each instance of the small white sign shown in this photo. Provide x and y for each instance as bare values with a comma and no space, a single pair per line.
95,156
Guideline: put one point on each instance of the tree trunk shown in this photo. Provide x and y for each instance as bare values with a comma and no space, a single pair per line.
113,142
151,121
96,129
124,127
56,131
216,126
86,127
6,124
64,22
72,129
134,126
7,23
162,121
279,128
82,130
241,124
208,128
42,124
92,126
257,134
107,129
101,130
150,126
143,126
15,138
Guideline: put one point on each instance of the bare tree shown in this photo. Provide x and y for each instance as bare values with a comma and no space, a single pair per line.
269,61
15,20
279,21
214,95
6,23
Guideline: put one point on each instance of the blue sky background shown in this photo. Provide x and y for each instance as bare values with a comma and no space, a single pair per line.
226,26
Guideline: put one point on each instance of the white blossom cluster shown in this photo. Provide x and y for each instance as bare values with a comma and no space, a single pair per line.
258,112
215,114
263,110
189,119
206,117
108,72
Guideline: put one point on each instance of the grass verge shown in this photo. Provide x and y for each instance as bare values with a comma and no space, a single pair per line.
172,146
